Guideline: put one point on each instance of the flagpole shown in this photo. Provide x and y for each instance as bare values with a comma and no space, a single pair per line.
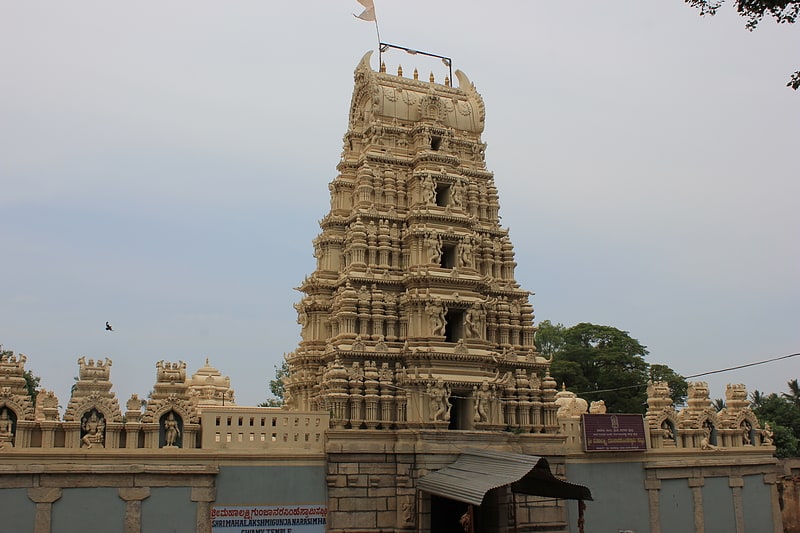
369,14
380,52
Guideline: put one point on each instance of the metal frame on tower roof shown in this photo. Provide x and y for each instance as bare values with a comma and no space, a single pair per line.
382,47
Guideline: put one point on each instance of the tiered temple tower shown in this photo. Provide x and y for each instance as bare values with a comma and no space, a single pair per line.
413,317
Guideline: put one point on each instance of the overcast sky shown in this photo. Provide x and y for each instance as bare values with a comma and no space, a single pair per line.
164,165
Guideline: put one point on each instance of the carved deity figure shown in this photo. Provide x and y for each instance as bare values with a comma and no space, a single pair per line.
171,430
705,442
666,431
472,321
465,255
440,401
766,435
302,316
434,251
458,195
94,427
482,398
6,429
746,430
358,344
437,312
428,190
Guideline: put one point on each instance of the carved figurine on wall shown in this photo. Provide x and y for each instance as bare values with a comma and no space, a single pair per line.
747,430
440,401
171,431
766,435
6,429
434,251
458,195
94,428
705,442
302,316
482,398
667,430
473,320
428,190
437,314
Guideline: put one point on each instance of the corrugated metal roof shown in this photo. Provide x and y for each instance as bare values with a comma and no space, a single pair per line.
476,472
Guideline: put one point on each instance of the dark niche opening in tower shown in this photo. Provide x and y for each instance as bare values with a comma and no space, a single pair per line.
448,255
436,142
443,195
454,329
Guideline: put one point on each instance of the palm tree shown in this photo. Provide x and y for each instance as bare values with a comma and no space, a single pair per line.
757,399
794,393
718,404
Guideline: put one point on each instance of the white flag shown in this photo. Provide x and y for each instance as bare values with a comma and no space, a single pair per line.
369,10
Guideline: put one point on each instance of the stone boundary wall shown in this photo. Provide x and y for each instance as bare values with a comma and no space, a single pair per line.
789,491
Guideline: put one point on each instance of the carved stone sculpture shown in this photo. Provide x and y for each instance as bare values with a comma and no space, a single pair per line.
483,396
171,431
93,426
6,430
440,401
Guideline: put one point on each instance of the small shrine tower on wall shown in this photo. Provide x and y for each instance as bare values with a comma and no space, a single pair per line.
413,317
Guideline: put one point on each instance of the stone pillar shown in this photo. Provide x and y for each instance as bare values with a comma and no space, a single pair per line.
696,484
653,485
24,430
203,496
44,499
113,432
736,483
72,434
777,517
48,433
132,434
133,497
151,435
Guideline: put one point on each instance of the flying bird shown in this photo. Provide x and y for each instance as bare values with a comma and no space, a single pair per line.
108,327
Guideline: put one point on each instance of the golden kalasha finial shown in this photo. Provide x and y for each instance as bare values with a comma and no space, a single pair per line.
416,74
447,81
400,70
432,78
383,66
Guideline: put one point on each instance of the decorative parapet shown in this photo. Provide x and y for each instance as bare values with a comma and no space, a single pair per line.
46,405
16,408
93,390
700,425
171,418
264,428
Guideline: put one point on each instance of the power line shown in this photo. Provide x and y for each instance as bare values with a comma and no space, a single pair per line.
721,370
728,369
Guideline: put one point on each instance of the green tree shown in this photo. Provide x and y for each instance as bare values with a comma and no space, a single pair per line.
782,413
603,362
32,385
783,11
794,393
549,338
276,386
756,399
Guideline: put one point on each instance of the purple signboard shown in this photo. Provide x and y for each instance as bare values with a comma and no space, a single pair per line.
614,433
